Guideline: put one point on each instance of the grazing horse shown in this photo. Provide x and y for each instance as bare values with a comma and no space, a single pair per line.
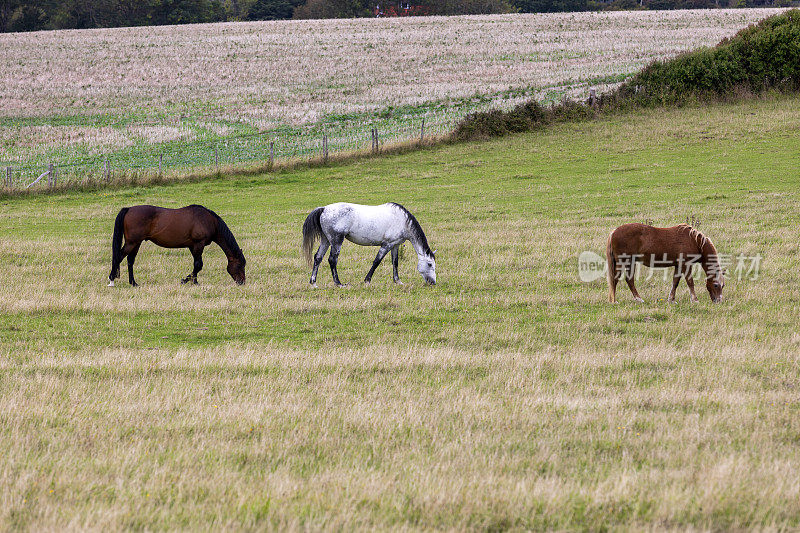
193,227
680,247
387,226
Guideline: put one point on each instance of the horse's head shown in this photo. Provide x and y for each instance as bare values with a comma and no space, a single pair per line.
427,267
715,282
715,274
236,269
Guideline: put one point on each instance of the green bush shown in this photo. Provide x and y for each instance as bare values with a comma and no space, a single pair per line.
524,117
760,57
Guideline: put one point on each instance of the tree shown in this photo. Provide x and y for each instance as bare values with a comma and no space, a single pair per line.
27,18
334,9
272,9
7,8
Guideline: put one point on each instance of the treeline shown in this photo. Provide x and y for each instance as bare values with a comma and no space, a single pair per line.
31,15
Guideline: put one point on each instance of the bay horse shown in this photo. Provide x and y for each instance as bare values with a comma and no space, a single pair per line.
387,225
193,227
680,247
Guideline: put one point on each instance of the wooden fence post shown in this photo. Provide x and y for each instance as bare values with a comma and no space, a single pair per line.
422,131
50,175
8,177
271,154
160,163
325,148
216,158
106,170
592,97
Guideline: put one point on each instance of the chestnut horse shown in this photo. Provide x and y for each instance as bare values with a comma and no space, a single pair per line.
193,227
680,247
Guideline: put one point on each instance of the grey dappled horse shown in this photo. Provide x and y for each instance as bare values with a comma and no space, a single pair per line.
386,225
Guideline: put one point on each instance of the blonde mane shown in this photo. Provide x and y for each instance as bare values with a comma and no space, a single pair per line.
697,236
711,259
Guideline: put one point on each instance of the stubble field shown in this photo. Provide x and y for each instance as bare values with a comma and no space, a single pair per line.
132,94
510,395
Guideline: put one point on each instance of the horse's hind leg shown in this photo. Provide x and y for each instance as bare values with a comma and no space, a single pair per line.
629,274
396,264
690,282
131,259
127,249
323,248
378,258
333,258
676,279
613,278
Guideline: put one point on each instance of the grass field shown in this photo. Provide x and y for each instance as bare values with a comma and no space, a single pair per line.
132,94
508,396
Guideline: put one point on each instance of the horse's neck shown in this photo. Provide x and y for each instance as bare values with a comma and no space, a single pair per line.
225,248
415,242
709,258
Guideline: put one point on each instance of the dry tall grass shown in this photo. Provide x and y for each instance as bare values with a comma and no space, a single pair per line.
508,396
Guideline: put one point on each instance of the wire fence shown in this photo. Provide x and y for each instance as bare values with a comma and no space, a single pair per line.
248,151
265,149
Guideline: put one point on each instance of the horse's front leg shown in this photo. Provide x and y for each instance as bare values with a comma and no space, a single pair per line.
378,258
197,254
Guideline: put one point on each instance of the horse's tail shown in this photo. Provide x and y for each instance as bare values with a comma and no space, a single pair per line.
611,267
312,230
116,243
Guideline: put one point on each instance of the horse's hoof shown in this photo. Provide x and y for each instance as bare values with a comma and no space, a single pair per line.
398,282
366,283
313,285
111,283
639,300
134,284
343,285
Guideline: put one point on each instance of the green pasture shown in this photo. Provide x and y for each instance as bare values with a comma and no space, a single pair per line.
509,396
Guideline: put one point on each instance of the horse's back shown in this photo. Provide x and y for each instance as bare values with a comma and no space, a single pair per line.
170,228
367,225
643,239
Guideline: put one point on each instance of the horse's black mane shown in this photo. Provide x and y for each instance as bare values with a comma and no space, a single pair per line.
225,234
416,229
